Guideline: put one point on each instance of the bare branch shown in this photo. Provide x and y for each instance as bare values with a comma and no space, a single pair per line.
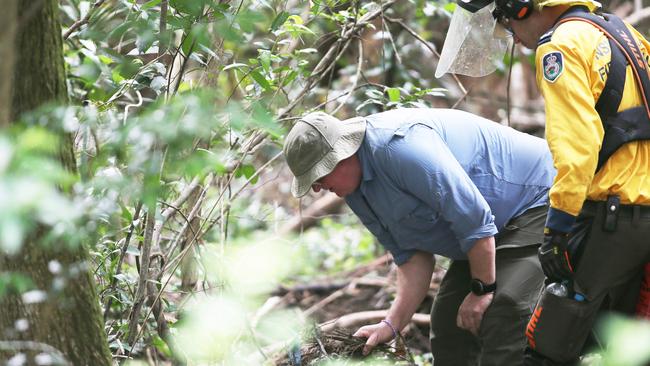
83,21
427,45
638,16
356,78
141,291
118,269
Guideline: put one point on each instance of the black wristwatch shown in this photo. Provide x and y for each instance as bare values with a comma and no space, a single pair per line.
479,288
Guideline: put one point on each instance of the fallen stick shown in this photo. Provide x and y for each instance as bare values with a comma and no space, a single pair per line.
367,317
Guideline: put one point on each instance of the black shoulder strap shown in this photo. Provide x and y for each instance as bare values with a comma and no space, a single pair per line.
623,40
612,94
629,125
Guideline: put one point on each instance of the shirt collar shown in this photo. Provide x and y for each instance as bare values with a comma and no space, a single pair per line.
367,172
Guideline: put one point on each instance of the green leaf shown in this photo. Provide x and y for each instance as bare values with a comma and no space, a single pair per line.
179,22
249,20
197,37
265,60
119,31
261,80
235,66
145,40
450,7
189,7
262,118
105,60
11,282
315,7
161,346
291,76
295,19
247,171
133,250
150,4
12,233
307,50
279,20
126,214
393,94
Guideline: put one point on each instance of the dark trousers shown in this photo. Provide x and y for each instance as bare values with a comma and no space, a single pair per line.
501,339
608,267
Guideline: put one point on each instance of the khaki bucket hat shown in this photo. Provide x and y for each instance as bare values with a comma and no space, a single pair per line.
316,143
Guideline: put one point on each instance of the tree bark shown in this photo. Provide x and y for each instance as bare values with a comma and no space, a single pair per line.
68,319
7,37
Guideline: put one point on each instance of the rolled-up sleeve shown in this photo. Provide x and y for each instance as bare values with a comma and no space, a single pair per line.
429,171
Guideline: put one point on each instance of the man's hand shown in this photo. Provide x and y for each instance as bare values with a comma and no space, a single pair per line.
554,257
470,313
376,334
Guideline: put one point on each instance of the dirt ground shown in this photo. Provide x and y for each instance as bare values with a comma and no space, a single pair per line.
341,305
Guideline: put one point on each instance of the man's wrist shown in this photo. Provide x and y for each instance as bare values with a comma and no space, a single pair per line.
391,326
480,288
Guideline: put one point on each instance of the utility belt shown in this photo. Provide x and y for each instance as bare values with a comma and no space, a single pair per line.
612,210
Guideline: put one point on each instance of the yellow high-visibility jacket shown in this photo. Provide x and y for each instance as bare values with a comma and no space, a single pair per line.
572,70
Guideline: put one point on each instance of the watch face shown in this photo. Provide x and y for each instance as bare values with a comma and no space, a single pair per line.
477,287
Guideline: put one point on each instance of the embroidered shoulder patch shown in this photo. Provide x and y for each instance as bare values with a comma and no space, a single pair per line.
553,65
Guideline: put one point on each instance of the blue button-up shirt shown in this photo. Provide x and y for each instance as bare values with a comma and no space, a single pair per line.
436,180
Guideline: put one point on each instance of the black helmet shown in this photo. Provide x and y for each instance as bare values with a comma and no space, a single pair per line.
513,9
473,5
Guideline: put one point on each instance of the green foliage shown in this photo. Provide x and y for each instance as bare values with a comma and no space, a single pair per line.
30,181
393,98
627,341
167,96
176,110
334,247
14,283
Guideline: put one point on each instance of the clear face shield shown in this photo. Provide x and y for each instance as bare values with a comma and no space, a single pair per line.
475,43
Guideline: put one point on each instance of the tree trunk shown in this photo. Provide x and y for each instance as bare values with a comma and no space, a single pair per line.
7,36
67,323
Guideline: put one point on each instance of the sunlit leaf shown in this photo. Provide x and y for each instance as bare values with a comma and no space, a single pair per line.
393,94
235,66
150,4
279,20
260,80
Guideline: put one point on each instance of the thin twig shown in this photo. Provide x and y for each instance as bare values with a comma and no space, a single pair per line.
392,43
163,28
83,21
320,71
330,58
182,198
126,109
196,236
461,98
255,175
142,283
427,45
125,247
356,78
512,55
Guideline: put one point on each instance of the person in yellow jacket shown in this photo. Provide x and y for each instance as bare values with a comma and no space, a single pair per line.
596,236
